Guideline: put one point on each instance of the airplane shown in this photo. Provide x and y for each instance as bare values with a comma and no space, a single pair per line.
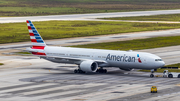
92,60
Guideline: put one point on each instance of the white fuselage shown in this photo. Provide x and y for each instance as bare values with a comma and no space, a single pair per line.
122,59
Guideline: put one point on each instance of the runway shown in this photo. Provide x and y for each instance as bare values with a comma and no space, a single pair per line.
89,17
34,79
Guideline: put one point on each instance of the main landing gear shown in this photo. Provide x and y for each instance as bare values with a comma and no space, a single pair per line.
101,70
79,71
152,75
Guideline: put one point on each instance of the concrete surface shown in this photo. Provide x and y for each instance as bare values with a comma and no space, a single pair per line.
89,17
33,79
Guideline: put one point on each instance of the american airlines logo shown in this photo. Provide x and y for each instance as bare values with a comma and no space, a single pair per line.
120,58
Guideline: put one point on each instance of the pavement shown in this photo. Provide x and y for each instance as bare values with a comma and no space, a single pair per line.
87,17
33,79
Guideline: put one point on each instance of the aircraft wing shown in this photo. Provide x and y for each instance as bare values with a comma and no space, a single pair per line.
76,60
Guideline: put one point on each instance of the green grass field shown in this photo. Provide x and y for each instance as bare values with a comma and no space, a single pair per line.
170,70
32,11
136,44
170,17
18,32
22,52
56,7
174,65
161,70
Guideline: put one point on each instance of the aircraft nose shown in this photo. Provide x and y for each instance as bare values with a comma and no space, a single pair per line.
162,63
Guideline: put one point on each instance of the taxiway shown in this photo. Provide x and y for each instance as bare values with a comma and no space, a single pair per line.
89,17
33,79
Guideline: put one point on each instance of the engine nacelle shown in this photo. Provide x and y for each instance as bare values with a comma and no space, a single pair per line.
89,66
126,69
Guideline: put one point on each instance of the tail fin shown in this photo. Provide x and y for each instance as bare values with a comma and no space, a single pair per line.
36,39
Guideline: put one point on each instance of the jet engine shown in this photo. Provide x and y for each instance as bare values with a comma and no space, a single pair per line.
88,66
126,69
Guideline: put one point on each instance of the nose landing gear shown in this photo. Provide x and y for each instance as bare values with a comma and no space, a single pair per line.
152,75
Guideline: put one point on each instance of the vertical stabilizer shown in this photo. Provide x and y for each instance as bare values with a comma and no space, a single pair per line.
36,39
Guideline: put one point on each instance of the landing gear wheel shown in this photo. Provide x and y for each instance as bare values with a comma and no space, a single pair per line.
152,75
75,71
97,71
105,71
101,71
179,76
170,76
78,71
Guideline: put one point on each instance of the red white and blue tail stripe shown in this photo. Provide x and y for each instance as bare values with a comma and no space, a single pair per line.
36,39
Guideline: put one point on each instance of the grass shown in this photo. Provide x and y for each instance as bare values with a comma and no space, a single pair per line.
1,64
161,70
170,70
18,32
31,11
174,65
170,17
23,53
136,44
46,7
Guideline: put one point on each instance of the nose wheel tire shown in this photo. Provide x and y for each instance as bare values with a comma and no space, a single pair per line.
152,75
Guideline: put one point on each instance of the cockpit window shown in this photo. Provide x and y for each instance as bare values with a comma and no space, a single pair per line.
158,59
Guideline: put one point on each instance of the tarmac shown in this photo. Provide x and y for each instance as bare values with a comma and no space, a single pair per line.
87,17
32,79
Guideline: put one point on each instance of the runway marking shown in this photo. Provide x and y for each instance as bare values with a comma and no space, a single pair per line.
35,89
95,95
131,92
87,91
174,96
38,98
59,88
138,91
46,97
21,87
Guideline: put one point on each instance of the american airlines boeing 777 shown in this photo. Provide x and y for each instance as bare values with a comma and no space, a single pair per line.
92,60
